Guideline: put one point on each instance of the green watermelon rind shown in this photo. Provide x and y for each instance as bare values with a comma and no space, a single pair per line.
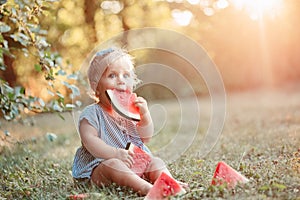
120,108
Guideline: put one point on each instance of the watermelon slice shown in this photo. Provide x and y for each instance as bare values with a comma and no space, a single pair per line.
84,196
123,103
164,187
141,159
226,174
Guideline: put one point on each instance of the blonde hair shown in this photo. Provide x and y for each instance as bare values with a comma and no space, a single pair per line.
102,60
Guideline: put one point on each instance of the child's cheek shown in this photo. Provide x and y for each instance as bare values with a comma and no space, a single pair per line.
129,89
130,84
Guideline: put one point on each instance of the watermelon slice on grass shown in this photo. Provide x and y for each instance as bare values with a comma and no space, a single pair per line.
123,103
224,174
81,196
164,187
141,159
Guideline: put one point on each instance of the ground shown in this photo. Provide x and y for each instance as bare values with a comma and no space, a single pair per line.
260,139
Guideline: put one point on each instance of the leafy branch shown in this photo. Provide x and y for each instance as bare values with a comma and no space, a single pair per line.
21,33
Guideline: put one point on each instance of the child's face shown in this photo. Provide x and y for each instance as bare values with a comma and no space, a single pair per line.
118,75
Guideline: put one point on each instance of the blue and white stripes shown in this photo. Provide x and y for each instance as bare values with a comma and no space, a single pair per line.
110,132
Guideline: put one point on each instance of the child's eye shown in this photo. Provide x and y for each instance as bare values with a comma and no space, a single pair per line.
112,75
126,76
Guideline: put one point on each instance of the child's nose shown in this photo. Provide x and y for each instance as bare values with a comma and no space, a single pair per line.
121,80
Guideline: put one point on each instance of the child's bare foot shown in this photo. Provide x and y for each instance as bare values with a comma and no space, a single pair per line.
144,189
184,185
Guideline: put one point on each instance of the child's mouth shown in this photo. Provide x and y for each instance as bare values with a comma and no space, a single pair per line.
121,90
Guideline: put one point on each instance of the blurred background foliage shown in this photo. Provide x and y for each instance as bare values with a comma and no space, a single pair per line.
44,44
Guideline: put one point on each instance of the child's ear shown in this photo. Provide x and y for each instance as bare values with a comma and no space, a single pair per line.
94,85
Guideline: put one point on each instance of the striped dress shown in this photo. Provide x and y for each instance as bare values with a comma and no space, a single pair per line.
112,132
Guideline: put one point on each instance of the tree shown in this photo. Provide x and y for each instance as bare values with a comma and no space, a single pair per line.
75,28
21,36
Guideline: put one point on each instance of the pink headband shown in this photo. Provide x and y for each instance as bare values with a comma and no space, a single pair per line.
100,62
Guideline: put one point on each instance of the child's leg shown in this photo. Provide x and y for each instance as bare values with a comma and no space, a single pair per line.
155,168
114,170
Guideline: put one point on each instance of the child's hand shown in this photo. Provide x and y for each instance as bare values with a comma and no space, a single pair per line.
145,125
126,156
141,103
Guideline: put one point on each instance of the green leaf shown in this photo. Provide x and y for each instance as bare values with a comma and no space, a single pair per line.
1,39
78,103
4,28
7,133
6,49
2,67
50,92
58,108
60,95
51,136
11,96
23,36
22,90
62,117
41,102
14,20
72,76
19,39
70,105
38,67
13,10
279,186
61,72
264,188
8,88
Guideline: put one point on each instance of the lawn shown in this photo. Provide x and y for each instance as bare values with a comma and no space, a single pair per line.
260,139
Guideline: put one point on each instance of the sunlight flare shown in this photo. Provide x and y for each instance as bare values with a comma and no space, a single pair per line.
259,8
183,18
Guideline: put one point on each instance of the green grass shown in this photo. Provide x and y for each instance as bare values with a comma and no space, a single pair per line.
260,139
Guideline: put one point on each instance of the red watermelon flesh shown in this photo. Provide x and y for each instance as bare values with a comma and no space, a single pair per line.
123,103
141,159
226,174
164,187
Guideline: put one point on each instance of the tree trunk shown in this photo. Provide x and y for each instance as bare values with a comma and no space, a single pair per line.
90,7
8,74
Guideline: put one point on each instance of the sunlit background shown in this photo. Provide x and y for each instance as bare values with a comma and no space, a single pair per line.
254,43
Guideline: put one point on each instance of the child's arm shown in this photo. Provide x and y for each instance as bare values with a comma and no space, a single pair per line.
145,126
98,148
